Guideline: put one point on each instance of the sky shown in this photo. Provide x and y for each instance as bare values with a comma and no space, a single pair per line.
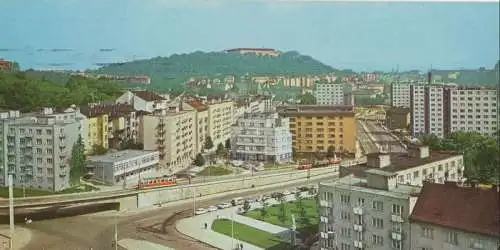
358,36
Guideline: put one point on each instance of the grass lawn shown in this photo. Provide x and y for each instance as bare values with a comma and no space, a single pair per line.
249,234
18,192
305,228
214,171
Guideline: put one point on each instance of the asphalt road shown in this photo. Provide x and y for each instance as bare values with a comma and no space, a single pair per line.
158,226
382,137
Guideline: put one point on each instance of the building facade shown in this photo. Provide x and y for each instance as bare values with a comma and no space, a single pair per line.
400,95
398,118
329,94
36,148
97,132
261,137
315,128
201,128
220,121
456,217
119,166
144,100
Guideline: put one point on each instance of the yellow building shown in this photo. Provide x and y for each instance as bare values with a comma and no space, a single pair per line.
97,132
314,128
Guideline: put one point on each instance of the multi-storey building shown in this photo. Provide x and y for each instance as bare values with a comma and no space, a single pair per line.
144,100
418,109
315,128
36,148
398,118
261,137
366,213
455,217
400,95
121,124
472,109
329,94
220,121
172,134
201,126
119,166
414,167
97,131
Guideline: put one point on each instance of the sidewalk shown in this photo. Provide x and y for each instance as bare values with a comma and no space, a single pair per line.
22,237
132,244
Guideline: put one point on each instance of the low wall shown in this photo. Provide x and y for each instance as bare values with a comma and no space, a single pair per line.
160,196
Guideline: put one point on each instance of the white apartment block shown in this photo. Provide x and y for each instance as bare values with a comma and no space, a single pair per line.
36,148
144,100
329,94
474,110
418,110
262,137
220,121
119,166
370,213
435,110
400,95
172,134
201,127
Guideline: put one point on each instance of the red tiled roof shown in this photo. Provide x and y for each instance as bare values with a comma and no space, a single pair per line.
113,110
198,105
148,96
473,210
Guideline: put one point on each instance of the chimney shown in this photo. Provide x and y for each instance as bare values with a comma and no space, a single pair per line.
378,160
429,77
418,151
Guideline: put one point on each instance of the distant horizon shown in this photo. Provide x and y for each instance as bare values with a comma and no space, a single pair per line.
363,37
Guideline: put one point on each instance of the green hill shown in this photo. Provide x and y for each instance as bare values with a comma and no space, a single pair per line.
480,76
176,69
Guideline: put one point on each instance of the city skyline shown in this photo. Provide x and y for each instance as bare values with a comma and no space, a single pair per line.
358,36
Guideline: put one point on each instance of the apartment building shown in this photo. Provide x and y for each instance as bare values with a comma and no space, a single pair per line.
144,100
398,118
415,167
366,213
262,137
314,128
97,131
400,95
455,217
220,120
472,109
36,148
117,167
122,124
329,94
201,126
172,133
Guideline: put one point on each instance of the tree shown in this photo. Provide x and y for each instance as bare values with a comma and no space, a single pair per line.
228,144
308,98
282,211
330,152
77,162
263,210
99,150
209,144
220,149
199,160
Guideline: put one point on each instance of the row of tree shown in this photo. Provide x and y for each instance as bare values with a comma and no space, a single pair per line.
222,150
481,154
24,92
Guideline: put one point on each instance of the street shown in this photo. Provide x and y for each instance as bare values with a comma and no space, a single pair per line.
157,225
382,138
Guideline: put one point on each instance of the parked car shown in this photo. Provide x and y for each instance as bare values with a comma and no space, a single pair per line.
237,201
224,205
200,211
212,208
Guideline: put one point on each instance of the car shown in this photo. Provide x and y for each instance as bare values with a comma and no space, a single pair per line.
212,208
224,205
200,211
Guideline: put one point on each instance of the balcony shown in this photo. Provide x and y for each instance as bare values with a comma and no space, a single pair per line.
357,210
62,136
397,218
324,219
396,236
358,244
358,228
323,203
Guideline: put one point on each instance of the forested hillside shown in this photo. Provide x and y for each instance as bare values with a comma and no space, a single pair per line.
22,92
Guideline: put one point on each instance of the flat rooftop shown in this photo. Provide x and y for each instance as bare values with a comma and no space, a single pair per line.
316,110
120,155
352,183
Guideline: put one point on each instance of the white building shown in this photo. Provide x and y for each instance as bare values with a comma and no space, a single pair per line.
144,100
370,213
455,217
435,110
418,110
329,94
400,95
261,137
474,109
118,166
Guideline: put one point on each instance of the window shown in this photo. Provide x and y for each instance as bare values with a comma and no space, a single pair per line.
378,223
378,206
397,227
427,232
396,244
452,238
346,232
345,198
345,215
361,202
345,246
377,240
476,244
397,209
